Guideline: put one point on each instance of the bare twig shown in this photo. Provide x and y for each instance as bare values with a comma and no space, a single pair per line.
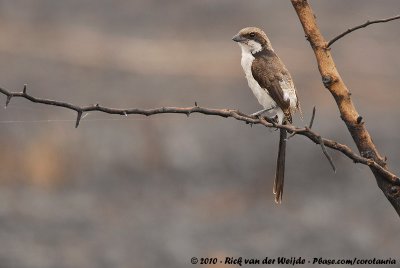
319,139
333,40
309,125
307,132
321,143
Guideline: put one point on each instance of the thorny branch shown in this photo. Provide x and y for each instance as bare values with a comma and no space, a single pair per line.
333,40
305,131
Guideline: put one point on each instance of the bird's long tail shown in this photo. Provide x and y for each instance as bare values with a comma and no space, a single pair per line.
280,167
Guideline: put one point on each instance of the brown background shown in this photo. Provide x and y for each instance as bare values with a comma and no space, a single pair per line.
154,192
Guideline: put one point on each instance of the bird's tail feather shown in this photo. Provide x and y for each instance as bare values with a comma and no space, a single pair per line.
280,167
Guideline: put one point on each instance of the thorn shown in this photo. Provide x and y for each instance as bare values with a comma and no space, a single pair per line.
8,100
359,119
84,115
291,135
195,104
97,105
312,118
78,118
124,112
24,90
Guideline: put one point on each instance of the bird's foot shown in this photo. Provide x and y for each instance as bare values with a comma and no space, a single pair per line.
273,120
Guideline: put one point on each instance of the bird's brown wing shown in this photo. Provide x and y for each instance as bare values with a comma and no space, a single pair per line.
270,77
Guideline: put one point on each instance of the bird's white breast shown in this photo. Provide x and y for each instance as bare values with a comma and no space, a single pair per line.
261,94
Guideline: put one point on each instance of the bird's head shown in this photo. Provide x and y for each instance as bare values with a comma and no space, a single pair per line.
252,39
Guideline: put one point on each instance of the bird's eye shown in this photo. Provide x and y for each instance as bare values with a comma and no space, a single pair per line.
252,34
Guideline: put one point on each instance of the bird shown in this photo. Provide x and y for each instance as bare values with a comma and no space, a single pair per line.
272,85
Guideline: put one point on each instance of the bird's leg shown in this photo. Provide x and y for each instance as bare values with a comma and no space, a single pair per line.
273,120
256,114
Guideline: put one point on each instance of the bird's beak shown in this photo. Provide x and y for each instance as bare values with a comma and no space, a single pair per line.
238,38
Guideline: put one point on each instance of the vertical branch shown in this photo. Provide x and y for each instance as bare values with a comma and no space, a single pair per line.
334,83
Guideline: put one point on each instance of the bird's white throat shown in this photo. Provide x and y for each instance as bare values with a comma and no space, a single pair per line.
251,46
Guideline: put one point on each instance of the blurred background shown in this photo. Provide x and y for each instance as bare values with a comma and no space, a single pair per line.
156,191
